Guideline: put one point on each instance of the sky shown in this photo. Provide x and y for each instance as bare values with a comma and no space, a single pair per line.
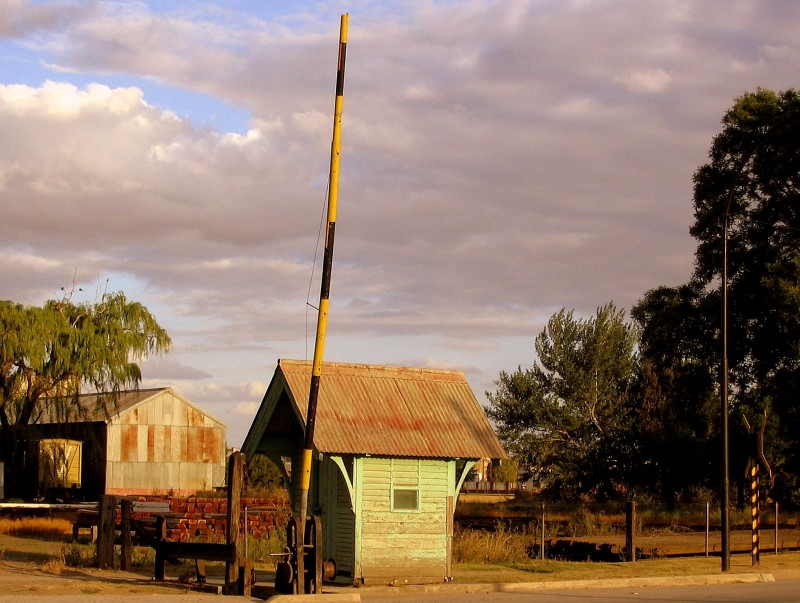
501,160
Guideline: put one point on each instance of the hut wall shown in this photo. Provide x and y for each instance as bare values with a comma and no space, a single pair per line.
402,538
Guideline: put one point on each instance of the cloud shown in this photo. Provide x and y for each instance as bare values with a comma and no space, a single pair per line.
649,81
500,161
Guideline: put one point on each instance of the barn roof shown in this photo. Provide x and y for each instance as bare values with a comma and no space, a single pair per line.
380,410
104,406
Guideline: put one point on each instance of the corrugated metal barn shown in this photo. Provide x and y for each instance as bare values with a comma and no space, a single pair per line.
149,441
392,448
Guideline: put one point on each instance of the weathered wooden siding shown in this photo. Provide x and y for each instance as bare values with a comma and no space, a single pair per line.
338,519
163,445
403,544
344,536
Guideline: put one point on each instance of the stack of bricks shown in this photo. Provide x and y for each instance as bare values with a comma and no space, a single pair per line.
203,519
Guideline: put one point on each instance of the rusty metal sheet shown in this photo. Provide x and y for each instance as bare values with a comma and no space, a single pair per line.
393,411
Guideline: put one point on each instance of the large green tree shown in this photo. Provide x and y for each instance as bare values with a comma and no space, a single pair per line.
752,178
569,416
678,404
49,353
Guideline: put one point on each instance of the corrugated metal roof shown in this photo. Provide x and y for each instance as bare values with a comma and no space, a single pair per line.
392,411
102,406
92,407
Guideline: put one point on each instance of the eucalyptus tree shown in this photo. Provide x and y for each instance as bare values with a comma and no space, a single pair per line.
569,416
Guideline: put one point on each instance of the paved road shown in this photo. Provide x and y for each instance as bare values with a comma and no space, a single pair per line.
766,592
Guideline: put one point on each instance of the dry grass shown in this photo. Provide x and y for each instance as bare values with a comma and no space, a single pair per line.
45,528
483,546
549,570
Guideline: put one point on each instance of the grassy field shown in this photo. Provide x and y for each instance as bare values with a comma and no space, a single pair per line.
42,547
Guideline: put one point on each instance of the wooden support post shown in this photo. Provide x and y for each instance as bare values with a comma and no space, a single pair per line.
125,536
235,483
245,582
449,562
200,570
630,523
105,538
161,536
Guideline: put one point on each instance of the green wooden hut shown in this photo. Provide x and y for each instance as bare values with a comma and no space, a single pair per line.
392,449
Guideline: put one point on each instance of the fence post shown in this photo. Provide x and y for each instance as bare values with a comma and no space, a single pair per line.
776,527
708,524
105,537
161,536
630,521
125,536
541,548
235,482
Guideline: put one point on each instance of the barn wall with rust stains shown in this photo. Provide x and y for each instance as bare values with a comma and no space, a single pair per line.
164,445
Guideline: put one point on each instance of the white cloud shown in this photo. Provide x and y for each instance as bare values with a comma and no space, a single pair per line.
648,81
490,175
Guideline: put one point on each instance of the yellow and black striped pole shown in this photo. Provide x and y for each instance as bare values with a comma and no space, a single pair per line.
754,509
324,295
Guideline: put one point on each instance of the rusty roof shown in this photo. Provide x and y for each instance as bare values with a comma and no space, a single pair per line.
101,406
384,410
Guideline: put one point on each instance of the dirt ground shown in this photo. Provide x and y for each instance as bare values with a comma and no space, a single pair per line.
26,568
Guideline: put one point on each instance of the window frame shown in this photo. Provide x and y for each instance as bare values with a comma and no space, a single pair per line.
405,485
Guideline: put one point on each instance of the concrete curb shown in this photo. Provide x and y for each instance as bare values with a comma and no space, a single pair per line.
523,587
697,580
326,597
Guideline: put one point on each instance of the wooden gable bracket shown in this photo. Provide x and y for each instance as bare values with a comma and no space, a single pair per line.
348,479
463,467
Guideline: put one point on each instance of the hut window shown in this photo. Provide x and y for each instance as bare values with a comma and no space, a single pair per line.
404,499
405,476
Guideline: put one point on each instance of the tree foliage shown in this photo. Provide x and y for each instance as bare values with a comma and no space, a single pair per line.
568,417
49,353
263,474
752,176
677,403
596,414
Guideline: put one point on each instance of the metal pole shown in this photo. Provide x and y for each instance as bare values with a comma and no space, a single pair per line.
541,552
324,296
776,527
724,503
708,524
754,509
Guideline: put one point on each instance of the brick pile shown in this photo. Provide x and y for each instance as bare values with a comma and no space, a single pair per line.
200,519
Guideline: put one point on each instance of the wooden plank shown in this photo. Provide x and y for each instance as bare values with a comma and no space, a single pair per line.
142,506
197,550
